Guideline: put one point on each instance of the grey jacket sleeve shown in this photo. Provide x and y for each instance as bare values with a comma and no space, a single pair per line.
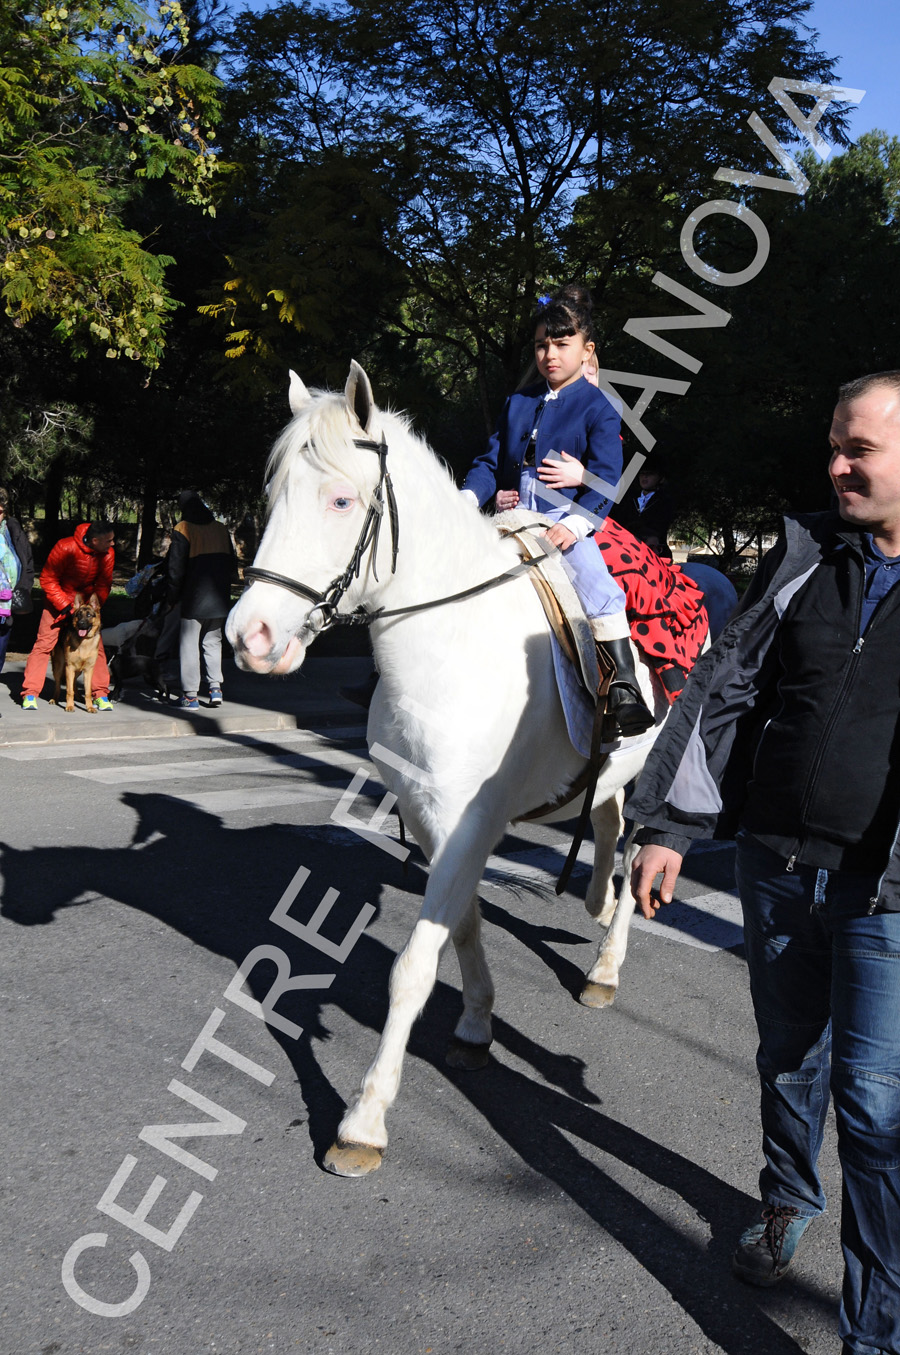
693,782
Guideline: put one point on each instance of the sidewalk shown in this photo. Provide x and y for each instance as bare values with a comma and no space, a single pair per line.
305,700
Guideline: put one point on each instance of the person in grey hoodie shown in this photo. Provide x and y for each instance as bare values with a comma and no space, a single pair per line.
200,567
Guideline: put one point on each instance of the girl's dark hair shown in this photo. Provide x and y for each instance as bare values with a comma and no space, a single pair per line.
568,311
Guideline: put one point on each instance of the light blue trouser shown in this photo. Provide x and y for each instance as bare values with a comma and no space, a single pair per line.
597,590
194,636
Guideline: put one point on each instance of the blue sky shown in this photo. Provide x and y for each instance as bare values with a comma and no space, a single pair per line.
865,35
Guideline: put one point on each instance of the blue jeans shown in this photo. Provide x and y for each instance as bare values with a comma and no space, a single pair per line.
825,983
5,633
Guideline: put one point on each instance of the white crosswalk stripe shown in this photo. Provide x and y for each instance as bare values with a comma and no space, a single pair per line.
109,748
315,767
288,765
710,921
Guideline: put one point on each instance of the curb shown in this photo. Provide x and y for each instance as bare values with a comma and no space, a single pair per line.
161,726
312,704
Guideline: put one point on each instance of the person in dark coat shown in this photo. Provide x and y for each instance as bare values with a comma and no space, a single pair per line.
200,567
786,734
19,572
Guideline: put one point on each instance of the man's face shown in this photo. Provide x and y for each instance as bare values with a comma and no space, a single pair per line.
865,460
101,544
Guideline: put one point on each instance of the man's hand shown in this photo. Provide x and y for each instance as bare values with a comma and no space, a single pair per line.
650,862
560,536
505,499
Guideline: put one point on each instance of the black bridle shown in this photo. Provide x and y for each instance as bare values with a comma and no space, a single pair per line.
367,540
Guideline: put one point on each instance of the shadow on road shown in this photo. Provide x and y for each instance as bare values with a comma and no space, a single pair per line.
217,886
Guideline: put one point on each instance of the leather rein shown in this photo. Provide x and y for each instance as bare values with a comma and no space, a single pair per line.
367,541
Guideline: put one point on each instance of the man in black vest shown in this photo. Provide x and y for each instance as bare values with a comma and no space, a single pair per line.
788,736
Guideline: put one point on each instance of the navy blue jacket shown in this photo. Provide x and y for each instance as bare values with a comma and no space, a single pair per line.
580,421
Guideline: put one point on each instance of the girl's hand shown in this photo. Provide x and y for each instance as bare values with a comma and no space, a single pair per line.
505,499
563,474
560,536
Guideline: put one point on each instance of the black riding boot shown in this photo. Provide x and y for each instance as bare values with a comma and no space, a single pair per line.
625,704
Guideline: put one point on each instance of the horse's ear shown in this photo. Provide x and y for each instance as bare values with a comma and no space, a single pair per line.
358,394
298,395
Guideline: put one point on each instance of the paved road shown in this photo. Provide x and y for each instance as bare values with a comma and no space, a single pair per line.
582,1193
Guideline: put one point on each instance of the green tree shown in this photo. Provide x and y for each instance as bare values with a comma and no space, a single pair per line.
510,147
96,98
750,439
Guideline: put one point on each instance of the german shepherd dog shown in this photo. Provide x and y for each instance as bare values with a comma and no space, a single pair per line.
76,651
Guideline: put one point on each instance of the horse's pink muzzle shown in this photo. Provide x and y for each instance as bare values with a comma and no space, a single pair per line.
256,648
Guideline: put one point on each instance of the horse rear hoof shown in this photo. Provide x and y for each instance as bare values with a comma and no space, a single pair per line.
353,1159
462,1054
597,995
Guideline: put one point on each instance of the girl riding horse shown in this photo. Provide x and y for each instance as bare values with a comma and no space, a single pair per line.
519,467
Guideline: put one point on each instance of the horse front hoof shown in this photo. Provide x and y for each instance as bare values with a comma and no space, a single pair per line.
597,994
462,1054
353,1159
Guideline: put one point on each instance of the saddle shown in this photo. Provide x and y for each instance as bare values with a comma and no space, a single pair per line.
562,608
668,624
568,624
665,607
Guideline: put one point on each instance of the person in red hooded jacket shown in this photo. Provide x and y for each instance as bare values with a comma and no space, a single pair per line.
82,563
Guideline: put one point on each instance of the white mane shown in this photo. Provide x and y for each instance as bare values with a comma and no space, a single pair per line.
322,435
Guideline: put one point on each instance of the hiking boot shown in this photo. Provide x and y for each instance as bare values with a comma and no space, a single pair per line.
767,1249
215,696
103,703
189,703
29,703
625,705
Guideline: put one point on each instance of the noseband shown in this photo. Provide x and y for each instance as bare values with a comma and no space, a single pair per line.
328,601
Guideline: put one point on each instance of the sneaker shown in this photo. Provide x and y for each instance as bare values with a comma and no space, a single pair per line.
103,703
215,696
767,1249
189,703
29,703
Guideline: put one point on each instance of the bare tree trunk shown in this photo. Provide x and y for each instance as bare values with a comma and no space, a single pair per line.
53,490
147,521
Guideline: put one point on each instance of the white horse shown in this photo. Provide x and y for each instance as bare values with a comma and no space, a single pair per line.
467,704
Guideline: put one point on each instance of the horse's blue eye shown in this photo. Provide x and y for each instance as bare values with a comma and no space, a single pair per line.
342,503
